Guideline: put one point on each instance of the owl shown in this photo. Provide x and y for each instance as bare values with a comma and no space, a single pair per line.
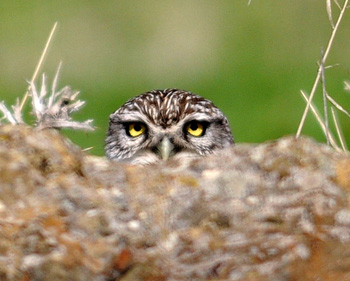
163,124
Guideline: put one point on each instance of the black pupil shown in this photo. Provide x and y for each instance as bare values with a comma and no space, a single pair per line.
137,127
194,126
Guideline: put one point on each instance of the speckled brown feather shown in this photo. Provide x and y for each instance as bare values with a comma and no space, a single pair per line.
164,112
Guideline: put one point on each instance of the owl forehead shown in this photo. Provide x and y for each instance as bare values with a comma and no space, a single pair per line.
168,107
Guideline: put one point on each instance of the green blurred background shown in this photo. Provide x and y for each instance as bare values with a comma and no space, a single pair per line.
250,60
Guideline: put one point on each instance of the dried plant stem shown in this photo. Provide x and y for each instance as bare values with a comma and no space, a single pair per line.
41,60
325,105
339,131
329,12
321,122
338,106
323,61
336,2
347,86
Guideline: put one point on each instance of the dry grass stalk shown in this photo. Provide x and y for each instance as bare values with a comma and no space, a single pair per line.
329,12
338,106
322,63
40,63
339,131
338,5
322,123
325,106
347,86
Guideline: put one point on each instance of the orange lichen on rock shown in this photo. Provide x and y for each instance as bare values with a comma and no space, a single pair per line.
123,260
343,173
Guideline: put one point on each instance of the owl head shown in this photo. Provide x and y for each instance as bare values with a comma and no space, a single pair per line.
163,124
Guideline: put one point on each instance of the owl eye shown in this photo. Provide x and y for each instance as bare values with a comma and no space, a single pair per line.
195,128
136,129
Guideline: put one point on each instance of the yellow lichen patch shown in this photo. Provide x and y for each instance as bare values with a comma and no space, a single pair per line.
343,173
189,181
3,137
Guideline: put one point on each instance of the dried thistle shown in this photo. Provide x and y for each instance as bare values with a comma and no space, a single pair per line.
50,111
14,117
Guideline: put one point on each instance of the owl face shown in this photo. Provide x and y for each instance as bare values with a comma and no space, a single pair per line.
163,124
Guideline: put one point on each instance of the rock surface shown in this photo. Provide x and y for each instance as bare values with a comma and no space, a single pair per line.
273,211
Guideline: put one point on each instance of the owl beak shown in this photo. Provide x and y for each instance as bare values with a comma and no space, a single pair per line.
165,148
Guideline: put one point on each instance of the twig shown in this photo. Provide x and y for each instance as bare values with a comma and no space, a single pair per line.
339,131
323,61
37,69
321,122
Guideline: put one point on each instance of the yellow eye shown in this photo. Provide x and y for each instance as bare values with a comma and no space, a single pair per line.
136,129
195,129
